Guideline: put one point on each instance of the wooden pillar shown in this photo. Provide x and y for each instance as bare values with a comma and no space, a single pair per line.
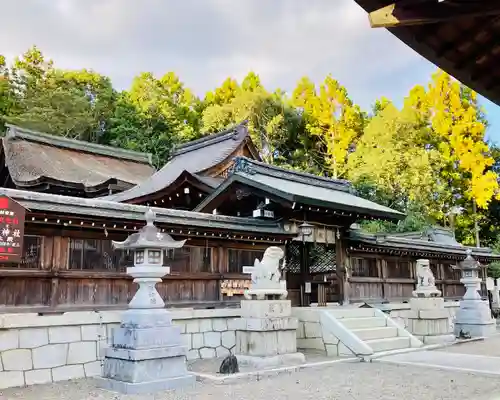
304,274
384,274
343,268
55,257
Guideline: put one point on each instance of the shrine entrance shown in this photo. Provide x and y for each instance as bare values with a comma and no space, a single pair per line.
311,273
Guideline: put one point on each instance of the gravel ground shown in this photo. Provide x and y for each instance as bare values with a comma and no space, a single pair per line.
342,381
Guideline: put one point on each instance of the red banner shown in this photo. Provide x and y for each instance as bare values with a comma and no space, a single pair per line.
11,230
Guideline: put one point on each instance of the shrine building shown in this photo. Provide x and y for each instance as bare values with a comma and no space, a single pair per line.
229,205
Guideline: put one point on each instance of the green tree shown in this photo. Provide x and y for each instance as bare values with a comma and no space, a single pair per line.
55,107
145,131
6,92
75,104
392,156
275,126
168,97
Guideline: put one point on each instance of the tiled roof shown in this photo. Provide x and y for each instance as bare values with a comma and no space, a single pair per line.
35,159
68,205
301,187
436,240
194,157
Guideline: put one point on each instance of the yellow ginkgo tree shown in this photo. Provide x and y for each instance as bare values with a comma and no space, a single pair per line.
332,118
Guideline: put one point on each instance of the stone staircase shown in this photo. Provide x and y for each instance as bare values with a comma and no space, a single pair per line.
375,329
352,331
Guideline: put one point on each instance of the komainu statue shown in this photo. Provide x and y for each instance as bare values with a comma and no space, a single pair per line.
266,277
426,283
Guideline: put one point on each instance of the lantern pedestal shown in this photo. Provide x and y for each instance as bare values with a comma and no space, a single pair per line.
474,315
146,353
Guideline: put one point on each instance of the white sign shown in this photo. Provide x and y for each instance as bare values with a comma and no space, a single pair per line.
307,288
248,270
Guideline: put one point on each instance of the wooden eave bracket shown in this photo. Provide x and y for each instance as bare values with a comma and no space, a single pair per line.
398,14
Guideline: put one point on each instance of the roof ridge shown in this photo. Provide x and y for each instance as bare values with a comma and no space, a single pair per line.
247,165
230,133
14,132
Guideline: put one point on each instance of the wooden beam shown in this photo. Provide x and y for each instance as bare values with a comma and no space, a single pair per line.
398,14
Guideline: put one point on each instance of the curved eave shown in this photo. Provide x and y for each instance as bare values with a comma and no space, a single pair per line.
47,182
205,204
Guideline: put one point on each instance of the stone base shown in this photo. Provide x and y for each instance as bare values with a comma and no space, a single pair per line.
475,330
277,293
146,387
426,303
271,361
266,343
437,339
474,318
429,321
266,308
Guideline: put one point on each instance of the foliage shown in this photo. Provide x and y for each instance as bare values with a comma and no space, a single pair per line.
146,131
332,118
426,158
493,270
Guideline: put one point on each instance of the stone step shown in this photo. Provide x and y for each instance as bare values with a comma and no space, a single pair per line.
365,322
376,333
352,313
387,344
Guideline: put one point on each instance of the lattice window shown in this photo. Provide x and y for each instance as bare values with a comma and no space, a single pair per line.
399,269
293,257
364,267
450,273
242,258
97,255
322,258
189,259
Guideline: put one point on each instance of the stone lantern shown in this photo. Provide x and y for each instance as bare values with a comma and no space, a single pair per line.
146,354
474,316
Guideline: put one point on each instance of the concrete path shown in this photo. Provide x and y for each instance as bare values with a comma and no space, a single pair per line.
447,360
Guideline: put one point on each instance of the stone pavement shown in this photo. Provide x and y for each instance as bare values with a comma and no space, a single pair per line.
481,357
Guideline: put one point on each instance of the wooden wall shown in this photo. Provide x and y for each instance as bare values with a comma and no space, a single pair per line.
377,277
70,273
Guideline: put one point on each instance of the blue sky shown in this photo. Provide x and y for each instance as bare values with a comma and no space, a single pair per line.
205,41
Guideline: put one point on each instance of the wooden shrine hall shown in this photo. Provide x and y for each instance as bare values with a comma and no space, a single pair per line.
229,205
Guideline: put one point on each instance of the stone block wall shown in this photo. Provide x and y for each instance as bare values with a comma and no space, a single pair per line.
311,335
399,312
38,349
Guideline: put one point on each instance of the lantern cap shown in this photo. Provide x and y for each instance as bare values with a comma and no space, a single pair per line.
149,237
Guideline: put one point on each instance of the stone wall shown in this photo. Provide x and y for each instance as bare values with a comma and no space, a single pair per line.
399,311
38,349
311,335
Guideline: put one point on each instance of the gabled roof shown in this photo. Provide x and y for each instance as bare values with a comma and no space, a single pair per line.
195,157
436,240
81,207
36,159
301,188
